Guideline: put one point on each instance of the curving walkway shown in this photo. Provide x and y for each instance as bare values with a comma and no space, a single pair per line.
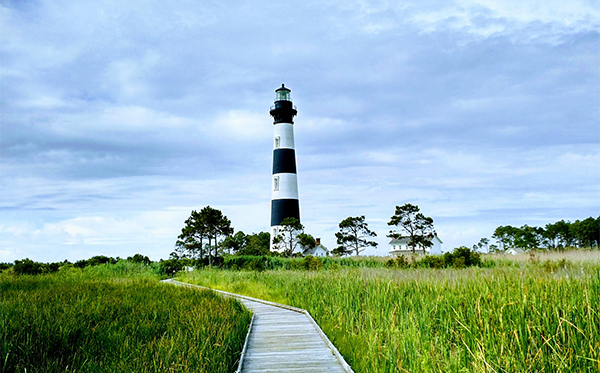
284,339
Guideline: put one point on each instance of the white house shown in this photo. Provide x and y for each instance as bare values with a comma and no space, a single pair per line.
515,251
400,246
318,250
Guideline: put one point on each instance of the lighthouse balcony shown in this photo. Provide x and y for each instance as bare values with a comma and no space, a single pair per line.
285,105
283,112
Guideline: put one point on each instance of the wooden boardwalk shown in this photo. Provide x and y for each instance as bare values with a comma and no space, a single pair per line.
284,339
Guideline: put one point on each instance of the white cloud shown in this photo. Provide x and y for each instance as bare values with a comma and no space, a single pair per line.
242,124
129,77
485,18
151,232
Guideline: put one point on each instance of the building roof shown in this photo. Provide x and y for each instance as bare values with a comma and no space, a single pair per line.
315,249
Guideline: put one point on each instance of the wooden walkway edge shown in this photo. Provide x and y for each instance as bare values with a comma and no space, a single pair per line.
282,338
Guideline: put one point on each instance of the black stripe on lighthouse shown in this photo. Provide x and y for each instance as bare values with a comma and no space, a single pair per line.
284,208
284,161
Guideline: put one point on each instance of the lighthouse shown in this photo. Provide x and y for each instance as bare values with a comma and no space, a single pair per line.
284,184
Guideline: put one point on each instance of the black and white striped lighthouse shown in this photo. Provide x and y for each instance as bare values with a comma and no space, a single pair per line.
284,195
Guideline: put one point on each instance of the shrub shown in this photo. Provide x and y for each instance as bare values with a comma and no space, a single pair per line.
311,263
27,267
458,262
432,261
399,262
100,259
80,263
139,258
554,265
50,267
256,265
5,266
462,257
402,262
169,267
94,261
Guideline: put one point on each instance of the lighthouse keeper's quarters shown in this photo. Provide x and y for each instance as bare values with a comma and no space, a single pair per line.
318,250
400,246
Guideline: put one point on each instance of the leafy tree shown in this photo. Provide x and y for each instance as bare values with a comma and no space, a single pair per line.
94,261
340,251
139,258
596,232
462,257
528,237
209,224
5,266
564,233
189,242
505,237
170,266
414,224
235,243
353,236
221,229
551,236
287,239
306,241
27,267
257,244
217,226
586,232
483,243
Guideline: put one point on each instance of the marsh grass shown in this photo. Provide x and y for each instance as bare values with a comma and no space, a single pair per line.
115,318
575,256
511,318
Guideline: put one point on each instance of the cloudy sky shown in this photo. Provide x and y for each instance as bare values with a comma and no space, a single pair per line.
119,118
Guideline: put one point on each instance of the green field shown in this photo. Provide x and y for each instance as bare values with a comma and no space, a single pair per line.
115,318
534,315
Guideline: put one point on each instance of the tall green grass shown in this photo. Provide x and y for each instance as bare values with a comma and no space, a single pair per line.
521,318
115,318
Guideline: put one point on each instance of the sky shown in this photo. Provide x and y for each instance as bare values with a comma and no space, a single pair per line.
117,119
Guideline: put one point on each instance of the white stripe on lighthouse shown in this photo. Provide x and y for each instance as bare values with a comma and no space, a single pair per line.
284,136
285,186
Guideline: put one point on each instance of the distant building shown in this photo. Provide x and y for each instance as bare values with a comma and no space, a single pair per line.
515,251
318,250
400,246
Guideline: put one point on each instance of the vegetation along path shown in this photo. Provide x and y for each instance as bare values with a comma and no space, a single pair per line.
284,339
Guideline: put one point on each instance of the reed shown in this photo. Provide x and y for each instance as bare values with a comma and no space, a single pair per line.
115,318
524,317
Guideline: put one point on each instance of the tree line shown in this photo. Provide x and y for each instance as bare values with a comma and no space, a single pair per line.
29,267
554,236
208,234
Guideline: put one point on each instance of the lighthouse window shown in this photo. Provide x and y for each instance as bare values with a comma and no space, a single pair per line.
283,95
276,183
277,142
